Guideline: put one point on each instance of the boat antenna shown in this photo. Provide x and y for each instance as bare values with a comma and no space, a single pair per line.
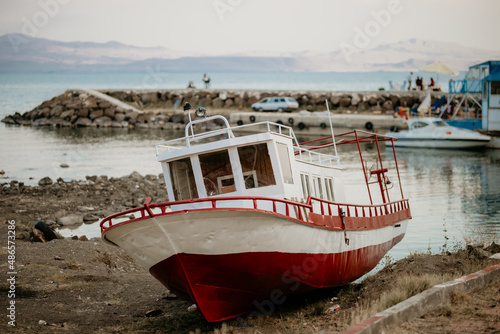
331,128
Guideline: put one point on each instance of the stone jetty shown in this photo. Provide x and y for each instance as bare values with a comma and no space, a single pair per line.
163,108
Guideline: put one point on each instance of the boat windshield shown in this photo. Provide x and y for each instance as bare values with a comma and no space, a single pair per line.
439,123
419,125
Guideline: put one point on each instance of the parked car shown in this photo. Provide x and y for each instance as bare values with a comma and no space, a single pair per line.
276,103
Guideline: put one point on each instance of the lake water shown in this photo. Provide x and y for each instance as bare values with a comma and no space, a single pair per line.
454,195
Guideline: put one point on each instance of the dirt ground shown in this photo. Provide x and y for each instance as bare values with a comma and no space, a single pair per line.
86,286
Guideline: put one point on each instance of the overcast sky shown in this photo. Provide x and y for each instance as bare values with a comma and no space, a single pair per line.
236,26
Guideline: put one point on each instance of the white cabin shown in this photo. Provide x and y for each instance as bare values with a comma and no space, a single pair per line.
225,163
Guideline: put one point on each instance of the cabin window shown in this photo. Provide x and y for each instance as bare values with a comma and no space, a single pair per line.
485,90
495,87
329,189
318,188
182,178
284,157
256,166
484,72
217,173
306,188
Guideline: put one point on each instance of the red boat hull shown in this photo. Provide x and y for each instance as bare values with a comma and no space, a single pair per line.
229,285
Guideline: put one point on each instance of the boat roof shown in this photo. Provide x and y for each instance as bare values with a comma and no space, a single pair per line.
491,63
195,143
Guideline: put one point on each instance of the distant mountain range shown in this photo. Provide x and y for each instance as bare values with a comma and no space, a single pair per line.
24,54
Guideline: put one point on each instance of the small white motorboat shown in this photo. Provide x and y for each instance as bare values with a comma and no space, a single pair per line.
433,132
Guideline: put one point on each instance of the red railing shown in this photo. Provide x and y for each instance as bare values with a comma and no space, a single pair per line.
290,209
359,210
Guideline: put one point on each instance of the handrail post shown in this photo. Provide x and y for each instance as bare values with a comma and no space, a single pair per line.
148,209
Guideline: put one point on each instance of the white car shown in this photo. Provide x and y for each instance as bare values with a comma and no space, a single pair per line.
276,103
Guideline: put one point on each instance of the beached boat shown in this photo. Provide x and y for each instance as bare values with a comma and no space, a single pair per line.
433,132
255,216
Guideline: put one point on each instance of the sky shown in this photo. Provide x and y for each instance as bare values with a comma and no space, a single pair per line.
215,27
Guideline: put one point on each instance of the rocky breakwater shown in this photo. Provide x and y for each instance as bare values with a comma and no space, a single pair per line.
76,108
163,108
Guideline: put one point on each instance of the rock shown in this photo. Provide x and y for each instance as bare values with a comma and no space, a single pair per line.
217,103
135,176
131,116
153,313
83,122
58,258
478,252
21,236
356,98
71,219
89,218
345,102
64,166
67,114
387,105
110,112
84,112
103,121
119,117
83,238
40,122
2,172
103,104
46,181
96,114
372,101
493,248
56,111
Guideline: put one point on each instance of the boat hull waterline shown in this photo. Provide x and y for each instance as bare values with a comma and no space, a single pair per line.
235,261
440,143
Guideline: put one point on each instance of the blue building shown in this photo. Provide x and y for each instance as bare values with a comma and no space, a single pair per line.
483,78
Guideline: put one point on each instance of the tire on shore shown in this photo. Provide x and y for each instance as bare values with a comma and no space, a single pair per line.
252,118
369,126
301,126
239,122
46,230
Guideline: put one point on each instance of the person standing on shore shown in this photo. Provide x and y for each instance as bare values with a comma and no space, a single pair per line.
409,81
206,80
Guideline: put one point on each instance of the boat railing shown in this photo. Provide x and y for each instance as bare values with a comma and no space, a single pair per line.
315,157
190,139
290,209
270,127
465,86
357,210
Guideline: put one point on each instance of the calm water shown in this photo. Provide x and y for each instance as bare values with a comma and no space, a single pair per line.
453,194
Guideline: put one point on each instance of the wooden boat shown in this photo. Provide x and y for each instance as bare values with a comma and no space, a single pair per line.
255,216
